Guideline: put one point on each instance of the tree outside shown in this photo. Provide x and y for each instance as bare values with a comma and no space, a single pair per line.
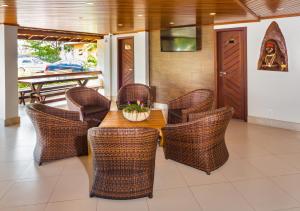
41,54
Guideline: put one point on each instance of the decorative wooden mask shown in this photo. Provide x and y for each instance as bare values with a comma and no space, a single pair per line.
273,53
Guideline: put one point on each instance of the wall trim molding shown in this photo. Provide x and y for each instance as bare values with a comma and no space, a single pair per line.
274,123
11,121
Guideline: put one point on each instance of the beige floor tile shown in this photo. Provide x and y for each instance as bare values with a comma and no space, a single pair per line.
71,187
293,209
292,159
79,165
26,208
290,183
122,205
168,176
283,146
178,199
220,197
263,194
17,154
235,170
29,192
196,177
74,205
12,170
247,150
50,169
273,166
4,186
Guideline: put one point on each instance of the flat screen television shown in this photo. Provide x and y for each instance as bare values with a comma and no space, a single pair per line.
180,39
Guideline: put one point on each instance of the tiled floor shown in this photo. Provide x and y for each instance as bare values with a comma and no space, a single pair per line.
263,173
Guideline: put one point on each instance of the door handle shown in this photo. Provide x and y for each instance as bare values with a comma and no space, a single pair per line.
130,69
223,73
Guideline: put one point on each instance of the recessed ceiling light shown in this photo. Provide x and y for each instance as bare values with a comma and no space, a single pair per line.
120,24
280,9
212,13
140,15
172,23
4,5
89,3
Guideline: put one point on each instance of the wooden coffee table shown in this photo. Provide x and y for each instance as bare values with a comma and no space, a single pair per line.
116,119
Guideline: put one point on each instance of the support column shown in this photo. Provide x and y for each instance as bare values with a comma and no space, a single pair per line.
9,114
107,68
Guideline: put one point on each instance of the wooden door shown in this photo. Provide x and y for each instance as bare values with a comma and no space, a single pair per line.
126,61
232,70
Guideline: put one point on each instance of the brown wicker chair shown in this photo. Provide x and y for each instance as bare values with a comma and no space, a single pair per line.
199,100
91,105
124,162
132,93
199,143
60,133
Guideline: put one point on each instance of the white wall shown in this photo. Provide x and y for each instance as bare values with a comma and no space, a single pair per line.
8,72
273,95
141,61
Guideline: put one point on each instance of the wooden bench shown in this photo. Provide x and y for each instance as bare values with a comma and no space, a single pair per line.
24,94
49,91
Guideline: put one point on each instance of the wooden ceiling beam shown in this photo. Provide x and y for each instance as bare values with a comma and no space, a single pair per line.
56,35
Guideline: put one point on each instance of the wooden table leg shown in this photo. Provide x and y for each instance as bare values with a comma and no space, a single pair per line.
33,90
36,93
82,84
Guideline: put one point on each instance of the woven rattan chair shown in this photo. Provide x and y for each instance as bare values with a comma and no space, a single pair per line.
91,105
132,93
199,100
199,143
124,162
60,133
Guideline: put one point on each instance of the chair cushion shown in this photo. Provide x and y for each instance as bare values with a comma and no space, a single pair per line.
91,109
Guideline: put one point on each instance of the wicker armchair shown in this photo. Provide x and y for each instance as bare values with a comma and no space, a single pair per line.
60,133
132,93
199,100
124,162
91,105
199,143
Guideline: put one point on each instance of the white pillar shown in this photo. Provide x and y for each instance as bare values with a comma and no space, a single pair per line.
107,66
8,75
141,58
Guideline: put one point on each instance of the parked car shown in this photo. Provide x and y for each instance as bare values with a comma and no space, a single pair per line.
31,65
64,65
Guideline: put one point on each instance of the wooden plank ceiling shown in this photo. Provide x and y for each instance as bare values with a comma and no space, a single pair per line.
120,16
273,8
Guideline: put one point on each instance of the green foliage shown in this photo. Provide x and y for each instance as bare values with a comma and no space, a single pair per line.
91,47
68,48
91,62
22,85
135,107
46,51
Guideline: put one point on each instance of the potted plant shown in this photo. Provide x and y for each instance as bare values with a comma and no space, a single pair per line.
136,112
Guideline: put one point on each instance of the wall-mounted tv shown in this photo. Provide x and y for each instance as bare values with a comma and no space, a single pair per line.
180,39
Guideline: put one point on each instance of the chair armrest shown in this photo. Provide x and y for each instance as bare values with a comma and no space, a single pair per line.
176,104
103,101
197,116
71,115
199,108
182,132
65,114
